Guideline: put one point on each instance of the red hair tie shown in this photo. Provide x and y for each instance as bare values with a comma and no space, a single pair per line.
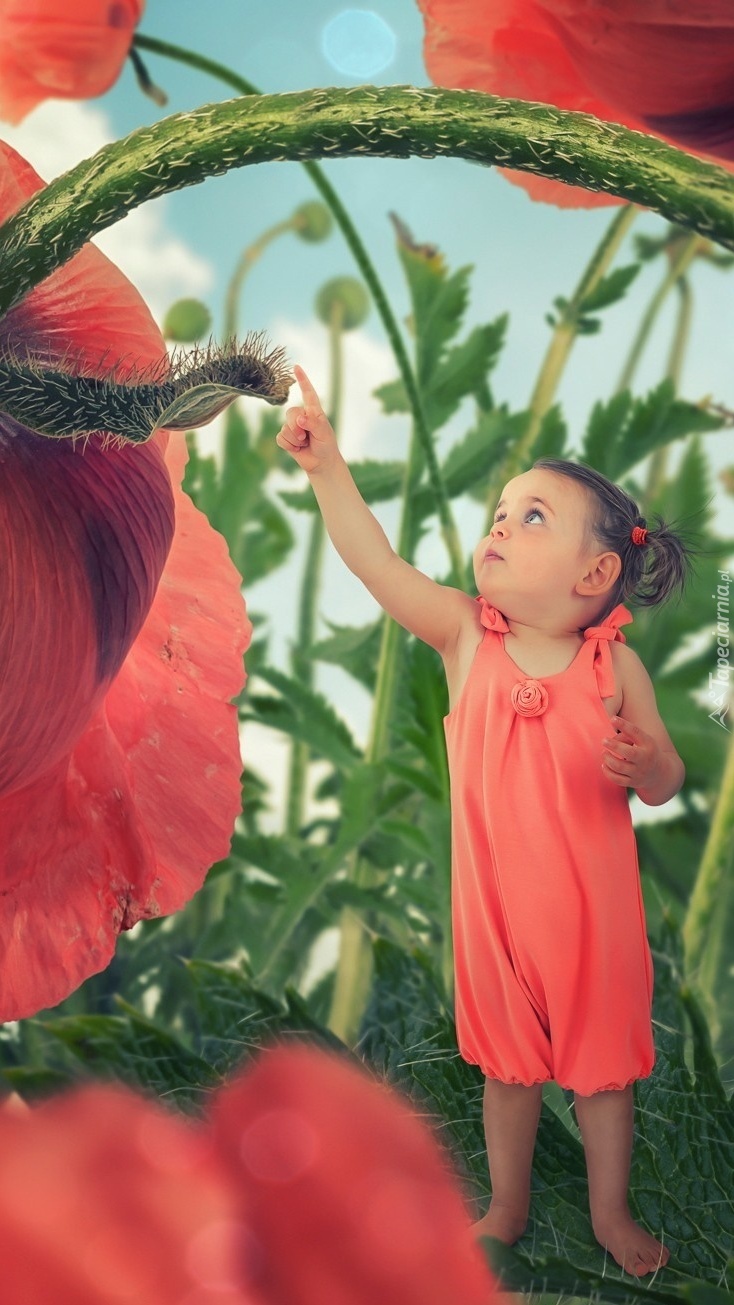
639,534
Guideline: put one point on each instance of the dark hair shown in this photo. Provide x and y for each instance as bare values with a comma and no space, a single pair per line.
651,571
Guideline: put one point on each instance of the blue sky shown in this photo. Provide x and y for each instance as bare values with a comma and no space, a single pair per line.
523,253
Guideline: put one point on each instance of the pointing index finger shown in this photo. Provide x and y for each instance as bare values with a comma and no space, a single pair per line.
310,397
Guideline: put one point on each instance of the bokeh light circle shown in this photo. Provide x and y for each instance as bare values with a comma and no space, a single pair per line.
358,43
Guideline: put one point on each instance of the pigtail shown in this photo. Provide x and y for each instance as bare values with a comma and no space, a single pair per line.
655,569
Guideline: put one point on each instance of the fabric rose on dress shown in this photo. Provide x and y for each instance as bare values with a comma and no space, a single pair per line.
529,698
122,630
53,49
309,1182
664,67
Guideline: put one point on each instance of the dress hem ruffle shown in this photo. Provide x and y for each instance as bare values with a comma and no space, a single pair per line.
567,1087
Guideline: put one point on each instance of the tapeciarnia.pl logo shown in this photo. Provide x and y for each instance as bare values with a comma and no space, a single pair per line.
720,679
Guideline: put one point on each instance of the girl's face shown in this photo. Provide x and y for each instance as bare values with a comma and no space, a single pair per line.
538,533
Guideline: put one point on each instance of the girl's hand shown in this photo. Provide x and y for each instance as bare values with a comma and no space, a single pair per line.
632,758
306,432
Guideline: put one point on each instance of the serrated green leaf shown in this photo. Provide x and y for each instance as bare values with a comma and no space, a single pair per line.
355,648
610,289
304,714
376,481
393,396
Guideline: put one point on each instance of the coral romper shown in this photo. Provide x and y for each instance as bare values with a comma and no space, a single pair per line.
553,971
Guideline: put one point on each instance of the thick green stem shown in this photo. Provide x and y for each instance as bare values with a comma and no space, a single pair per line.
354,965
564,335
677,268
302,666
249,256
703,932
366,267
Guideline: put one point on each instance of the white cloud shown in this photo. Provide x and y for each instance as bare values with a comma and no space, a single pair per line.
59,134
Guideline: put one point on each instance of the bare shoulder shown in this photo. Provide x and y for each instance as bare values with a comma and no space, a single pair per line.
458,653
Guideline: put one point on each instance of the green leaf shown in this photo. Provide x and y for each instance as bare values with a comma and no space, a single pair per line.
610,289
355,648
304,714
624,431
463,371
376,482
134,1050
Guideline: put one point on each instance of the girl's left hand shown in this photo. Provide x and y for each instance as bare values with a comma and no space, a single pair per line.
632,757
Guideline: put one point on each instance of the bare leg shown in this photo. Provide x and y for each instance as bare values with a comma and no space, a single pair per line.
511,1114
606,1122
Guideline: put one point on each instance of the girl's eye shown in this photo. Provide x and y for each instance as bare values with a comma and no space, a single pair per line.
532,512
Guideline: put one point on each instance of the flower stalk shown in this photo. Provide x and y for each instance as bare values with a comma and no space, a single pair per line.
677,268
559,349
704,928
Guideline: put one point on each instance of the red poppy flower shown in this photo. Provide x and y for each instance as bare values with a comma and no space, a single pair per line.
122,630
664,67
348,1194
310,1183
53,49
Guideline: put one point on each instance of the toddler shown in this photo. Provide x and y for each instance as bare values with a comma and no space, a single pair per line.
552,717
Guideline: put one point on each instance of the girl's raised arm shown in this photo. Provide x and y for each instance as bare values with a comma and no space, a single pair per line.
431,611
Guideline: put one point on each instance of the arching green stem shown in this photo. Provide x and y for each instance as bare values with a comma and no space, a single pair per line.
676,269
366,267
564,335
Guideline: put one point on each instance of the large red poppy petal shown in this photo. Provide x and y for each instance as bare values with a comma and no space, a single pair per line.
509,48
128,825
346,1191
668,68
104,1198
61,50
84,540
119,803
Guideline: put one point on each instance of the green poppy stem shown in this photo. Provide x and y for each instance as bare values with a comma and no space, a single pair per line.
559,349
705,928
302,666
354,964
245,262
366,267
659,457
677,268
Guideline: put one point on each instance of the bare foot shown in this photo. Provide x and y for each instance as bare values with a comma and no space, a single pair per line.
501,1221
635,1250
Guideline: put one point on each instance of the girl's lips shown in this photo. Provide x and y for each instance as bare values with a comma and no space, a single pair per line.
493,557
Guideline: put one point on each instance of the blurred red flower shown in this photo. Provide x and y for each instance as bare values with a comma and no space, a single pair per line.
51,49
665,67
122,630
310,1183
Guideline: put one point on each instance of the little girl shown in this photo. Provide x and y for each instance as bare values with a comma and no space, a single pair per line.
552,718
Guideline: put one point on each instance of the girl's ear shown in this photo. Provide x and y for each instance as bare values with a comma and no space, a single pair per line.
601,574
